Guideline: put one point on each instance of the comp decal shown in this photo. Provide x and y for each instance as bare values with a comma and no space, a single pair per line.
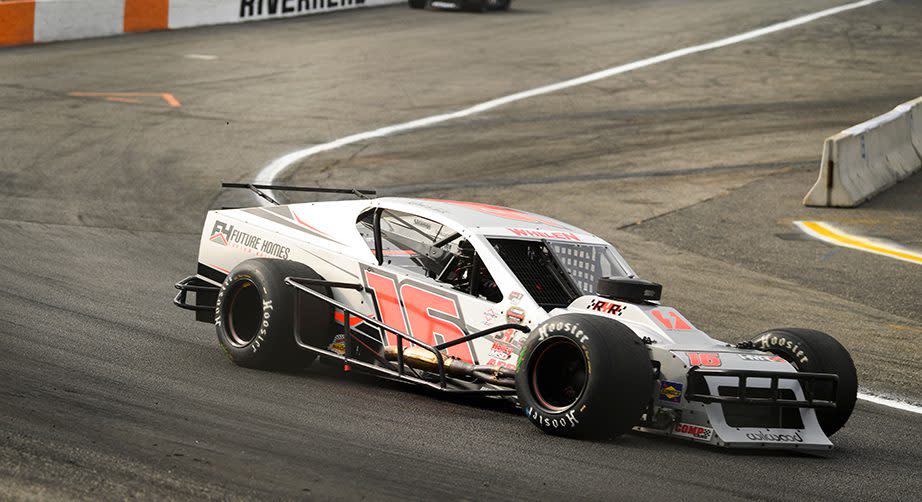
693,431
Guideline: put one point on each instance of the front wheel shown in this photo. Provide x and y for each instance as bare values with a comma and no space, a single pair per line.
584,376
816,352
418,4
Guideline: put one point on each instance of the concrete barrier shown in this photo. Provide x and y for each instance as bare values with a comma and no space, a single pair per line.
915,124
32,21
868,158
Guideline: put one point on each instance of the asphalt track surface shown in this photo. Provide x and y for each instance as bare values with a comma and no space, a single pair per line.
694,168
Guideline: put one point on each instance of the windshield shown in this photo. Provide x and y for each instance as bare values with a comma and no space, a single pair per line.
556,273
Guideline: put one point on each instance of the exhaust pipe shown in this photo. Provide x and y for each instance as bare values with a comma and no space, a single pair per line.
421,359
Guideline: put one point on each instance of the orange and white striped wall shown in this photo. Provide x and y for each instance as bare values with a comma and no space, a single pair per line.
33,21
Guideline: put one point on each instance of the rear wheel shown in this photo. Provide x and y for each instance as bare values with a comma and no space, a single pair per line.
254,315
584,376
816,352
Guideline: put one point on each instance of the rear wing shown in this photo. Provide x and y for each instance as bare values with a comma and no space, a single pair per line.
258,190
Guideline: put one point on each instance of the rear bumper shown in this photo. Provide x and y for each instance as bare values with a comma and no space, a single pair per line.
206,295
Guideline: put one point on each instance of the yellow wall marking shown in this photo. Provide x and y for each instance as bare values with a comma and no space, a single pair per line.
828,233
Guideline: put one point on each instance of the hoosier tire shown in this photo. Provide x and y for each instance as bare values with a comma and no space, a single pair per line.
584,376
254,315
816,352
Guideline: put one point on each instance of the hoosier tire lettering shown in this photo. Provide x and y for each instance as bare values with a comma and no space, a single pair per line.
582,375
254,315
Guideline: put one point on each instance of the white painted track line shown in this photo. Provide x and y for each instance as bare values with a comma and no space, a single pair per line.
890,403
278,167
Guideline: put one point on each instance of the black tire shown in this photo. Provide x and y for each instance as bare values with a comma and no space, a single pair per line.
418,4
816,352
584,376
475,5
488,5
254,315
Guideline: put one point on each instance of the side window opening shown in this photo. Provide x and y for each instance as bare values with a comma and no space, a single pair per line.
424,247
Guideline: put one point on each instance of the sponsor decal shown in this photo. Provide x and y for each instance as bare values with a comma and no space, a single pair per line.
515,297
501,351
693,431
498,362
339,344
490,315
670,391
227,235
710,359
769,340
765,437
515,315
560,236
606,307
762,357
252,8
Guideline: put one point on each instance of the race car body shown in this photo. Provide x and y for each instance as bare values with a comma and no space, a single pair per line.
474,298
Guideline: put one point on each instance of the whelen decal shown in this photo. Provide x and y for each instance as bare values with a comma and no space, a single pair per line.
559,236
427,314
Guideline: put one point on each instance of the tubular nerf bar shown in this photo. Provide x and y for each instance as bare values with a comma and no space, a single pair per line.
301,286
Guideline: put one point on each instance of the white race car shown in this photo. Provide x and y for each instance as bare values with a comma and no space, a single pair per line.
478,299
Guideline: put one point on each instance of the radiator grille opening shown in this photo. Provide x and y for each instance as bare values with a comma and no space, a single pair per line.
747,415
533,265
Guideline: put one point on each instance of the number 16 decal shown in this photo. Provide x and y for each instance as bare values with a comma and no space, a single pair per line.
426,314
